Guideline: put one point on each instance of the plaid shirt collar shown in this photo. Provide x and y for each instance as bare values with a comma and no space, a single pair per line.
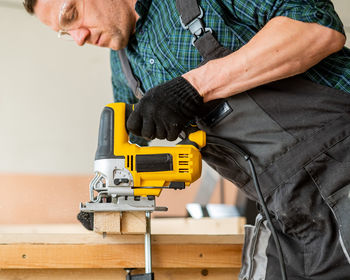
142,7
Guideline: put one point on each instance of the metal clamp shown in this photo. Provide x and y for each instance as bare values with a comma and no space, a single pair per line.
196,27
148,275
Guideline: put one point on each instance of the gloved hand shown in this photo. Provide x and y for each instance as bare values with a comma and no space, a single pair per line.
165,110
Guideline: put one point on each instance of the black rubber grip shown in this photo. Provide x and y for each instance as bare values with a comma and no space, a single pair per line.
105,135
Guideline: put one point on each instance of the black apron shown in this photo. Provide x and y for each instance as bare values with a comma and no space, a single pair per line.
285,126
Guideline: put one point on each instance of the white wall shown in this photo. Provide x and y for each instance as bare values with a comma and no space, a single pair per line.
51,96
343,9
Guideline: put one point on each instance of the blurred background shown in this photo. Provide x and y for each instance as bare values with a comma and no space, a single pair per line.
51,95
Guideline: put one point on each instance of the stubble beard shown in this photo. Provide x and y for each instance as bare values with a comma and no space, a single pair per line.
116,40
119,39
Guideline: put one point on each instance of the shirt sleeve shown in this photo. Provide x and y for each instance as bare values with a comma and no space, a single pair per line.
259,12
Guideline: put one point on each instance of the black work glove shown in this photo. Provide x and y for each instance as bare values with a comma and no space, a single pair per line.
165,110
86,219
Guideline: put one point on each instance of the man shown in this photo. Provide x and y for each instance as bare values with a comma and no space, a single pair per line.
296,130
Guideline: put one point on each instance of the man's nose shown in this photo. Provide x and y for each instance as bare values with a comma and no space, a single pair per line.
80,35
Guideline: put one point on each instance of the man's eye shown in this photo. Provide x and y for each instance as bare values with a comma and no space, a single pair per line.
71,16
68,16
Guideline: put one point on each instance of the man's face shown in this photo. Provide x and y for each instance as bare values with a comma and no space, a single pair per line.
105,23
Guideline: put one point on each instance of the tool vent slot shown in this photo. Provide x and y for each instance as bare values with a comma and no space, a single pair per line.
127,161
184,170
183,163
132,163
183,155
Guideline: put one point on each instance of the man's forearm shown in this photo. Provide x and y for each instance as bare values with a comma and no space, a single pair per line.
283,48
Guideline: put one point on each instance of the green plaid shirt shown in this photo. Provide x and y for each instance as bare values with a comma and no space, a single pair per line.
161,49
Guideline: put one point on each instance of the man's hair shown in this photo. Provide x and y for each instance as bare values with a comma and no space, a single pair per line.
29,5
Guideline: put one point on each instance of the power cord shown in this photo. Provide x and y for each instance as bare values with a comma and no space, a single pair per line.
217,141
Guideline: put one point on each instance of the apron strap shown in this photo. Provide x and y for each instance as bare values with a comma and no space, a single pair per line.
189,11
209,48
191,18
133,82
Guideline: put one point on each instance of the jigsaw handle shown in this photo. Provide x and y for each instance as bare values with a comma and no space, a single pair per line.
191,134
106,137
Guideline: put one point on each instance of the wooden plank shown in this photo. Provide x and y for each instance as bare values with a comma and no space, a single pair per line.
107,222
95,238
164,231
68,251
46,256
133,222
233,225
118,274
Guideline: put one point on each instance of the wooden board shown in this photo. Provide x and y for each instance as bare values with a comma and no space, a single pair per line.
120,222
228,230
116,274
47,256
133,222
69,252
107,222
208,226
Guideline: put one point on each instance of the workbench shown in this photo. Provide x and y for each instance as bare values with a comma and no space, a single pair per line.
183,249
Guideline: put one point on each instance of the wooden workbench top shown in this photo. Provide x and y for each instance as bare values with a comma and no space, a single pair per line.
177,245
164,230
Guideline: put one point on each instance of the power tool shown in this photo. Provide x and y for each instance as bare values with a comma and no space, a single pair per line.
129,177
